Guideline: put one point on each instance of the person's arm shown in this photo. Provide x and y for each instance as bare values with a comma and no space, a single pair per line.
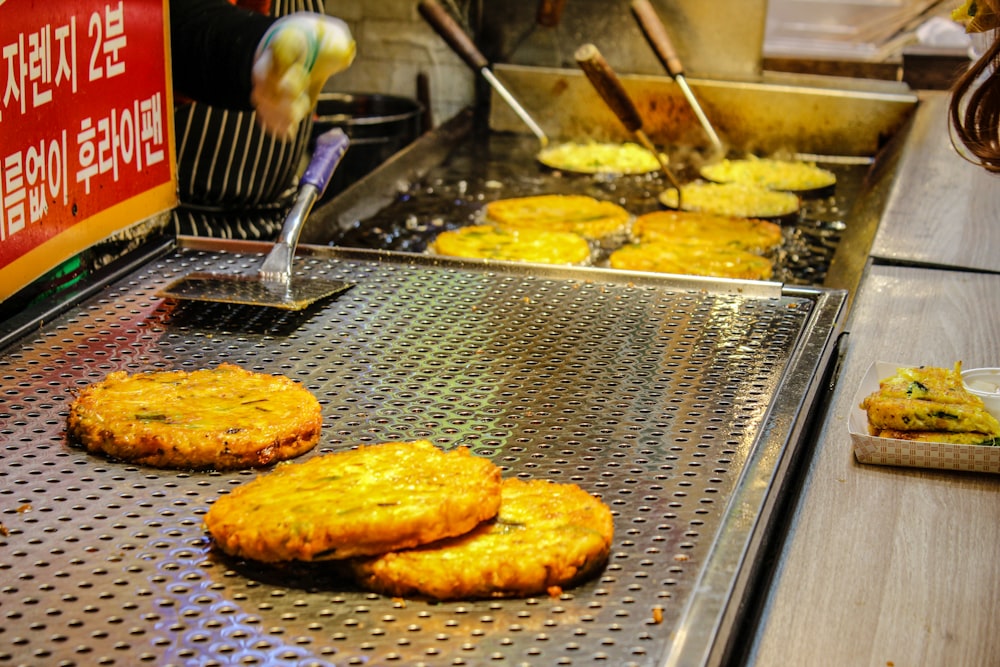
212,47
230,57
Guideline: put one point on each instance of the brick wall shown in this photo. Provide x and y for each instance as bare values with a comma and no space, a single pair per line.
395,45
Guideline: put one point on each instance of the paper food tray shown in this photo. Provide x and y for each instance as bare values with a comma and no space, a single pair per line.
889,451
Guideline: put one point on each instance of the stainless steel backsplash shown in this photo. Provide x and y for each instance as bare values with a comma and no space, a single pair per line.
720,39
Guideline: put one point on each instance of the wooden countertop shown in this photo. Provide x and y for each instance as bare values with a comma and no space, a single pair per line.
943,210
890,565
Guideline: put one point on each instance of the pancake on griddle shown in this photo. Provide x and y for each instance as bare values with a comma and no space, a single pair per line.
513,245
546,535
692,259
733,199
787,175
600,158
591,218
707,229
221,418
360,502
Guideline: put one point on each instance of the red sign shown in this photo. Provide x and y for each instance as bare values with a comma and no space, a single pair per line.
86,133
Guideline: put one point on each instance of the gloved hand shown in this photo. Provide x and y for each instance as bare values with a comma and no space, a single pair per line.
293,61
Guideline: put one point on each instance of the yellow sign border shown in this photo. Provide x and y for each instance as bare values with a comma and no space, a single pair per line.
85,233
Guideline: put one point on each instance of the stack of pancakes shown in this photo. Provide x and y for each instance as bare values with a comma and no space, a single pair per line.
929,404
409,519
700,244
550,229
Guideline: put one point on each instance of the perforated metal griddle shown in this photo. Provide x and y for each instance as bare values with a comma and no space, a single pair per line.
679,402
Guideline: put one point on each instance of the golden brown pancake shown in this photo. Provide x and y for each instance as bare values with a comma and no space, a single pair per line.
732,199
695,260
364,501
929,383
546,535
514,245
707,229
903,414
969,438
788,175
591,218
926,398
600,158
221,418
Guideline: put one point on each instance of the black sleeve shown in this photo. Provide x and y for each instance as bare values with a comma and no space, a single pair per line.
212,44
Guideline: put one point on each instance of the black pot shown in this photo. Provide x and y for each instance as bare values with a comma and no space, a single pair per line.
377,125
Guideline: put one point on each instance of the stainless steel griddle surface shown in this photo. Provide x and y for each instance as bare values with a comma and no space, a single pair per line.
671,400
484,168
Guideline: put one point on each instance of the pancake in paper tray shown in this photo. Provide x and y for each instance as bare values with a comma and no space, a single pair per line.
911,453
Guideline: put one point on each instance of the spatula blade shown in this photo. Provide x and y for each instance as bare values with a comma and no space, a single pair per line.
251,290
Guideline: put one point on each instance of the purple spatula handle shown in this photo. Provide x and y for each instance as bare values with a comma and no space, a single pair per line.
330,148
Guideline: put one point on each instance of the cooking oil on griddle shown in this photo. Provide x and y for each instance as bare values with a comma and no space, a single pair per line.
503,165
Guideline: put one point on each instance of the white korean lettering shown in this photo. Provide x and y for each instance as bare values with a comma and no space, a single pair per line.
87,153
151,129
40,66
57,167
13,55
114,40
66,64
126,136
34,176
107,145
14,193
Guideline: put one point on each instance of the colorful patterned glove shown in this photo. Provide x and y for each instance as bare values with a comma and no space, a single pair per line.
293,61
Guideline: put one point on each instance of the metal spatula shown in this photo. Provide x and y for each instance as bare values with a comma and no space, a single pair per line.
612,91
462,44
659,39
273,284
